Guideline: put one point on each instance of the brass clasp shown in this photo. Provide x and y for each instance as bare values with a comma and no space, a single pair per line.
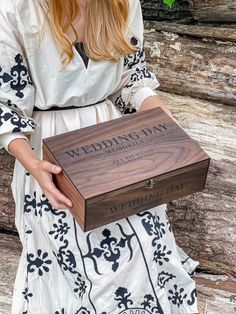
150,184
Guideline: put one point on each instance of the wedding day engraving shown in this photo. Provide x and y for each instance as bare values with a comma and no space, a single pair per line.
147,199
120,142
134,157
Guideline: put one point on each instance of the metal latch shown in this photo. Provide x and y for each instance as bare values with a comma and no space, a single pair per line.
150,184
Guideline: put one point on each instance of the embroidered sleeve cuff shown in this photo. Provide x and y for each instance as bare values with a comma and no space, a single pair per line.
138,97
5,139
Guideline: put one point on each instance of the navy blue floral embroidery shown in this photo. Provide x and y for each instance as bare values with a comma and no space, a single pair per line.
149,305
30,203
122,295
160,254
136,58
67,262
123,107
83,310
126,303
45,205
38,262
66,258
60,229
62,311
110,248
11,105
153,226
27,294
157,309
193,297
177,296
81,285
137,62
163,278
18,77
16,120
139,74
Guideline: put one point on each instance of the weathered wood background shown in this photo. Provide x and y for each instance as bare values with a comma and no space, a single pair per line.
157,10
214,10
205,222
193,64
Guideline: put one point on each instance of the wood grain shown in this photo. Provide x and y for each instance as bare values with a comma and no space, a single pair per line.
111,180
205,223
157,10
6,200
192,30
10,248
191,66
214,10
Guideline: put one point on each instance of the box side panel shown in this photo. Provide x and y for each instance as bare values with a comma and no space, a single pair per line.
147,195
66,187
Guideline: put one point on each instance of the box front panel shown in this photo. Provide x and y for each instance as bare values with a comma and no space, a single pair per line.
148,194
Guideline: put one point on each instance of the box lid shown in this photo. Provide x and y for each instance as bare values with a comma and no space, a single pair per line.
110,155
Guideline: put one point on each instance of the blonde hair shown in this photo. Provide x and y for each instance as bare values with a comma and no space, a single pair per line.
105,28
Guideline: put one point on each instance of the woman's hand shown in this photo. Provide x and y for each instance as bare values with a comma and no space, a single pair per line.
154,102
42,170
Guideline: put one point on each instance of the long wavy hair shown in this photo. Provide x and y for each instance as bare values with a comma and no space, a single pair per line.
105,28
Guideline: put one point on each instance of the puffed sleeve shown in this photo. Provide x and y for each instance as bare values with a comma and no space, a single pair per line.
16,87
137,82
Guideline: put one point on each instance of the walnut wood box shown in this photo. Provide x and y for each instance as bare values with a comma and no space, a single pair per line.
120,167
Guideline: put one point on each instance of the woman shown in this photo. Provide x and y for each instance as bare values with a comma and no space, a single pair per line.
64,67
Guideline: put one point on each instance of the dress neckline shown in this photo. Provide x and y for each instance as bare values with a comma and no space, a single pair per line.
79,46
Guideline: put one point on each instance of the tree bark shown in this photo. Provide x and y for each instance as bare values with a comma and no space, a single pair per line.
157,10
199,67
7,206
214,10
199,31
204,223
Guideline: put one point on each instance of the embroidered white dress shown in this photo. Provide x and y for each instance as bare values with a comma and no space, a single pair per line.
129,266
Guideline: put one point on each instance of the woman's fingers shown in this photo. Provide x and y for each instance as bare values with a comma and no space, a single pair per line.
48,166
54,202
44,178
57,195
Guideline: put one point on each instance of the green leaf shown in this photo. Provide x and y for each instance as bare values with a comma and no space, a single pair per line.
169,2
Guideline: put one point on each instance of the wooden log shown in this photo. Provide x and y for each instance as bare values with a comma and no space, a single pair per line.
199,67
199,31
214,10
157,10
7,206
10,248
205,222
216,294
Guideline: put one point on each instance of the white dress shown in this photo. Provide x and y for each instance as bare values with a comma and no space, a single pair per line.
132,266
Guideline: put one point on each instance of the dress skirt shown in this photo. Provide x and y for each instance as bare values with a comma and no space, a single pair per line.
132,266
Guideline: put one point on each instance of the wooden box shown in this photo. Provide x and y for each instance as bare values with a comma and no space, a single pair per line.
120,167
